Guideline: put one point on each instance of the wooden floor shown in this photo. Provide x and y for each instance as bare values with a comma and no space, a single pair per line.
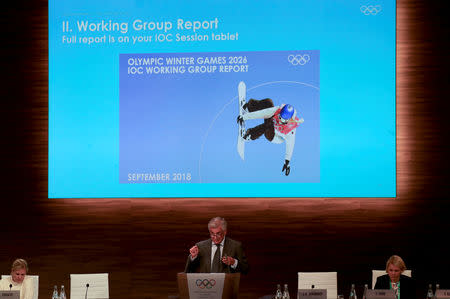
143,243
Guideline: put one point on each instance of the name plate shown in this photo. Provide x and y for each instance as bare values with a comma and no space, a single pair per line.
380,294
312,294
443,294
10,294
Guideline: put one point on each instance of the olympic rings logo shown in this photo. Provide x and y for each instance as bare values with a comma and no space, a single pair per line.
299,59
205,283
370,9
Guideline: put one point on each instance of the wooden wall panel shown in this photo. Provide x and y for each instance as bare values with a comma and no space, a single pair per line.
143,243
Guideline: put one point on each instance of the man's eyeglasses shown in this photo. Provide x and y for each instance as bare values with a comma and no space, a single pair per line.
216,235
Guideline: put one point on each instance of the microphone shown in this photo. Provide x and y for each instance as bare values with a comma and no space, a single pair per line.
312,287
87,287
10,286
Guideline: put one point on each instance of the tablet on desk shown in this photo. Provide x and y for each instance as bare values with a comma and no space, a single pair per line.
10,294
380,294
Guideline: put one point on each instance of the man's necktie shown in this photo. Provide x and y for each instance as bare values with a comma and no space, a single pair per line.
216,263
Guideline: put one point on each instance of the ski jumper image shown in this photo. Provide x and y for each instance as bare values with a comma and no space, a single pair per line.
280,124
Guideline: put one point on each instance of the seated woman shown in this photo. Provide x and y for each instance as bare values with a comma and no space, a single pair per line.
404,287
18,280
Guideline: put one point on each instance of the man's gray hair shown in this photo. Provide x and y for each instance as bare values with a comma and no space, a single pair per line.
216,222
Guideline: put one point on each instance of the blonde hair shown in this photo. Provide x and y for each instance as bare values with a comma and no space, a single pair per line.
396,261
19,264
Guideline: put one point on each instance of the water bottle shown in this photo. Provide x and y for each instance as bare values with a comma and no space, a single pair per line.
55,293
436,291
366,287
430,292
278,294
352,292
286,292
62,294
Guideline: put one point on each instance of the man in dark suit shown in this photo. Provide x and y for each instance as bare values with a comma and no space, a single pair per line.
218,254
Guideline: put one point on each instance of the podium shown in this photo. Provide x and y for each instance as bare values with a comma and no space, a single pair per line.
230,287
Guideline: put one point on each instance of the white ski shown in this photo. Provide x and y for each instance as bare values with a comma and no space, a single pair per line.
241,132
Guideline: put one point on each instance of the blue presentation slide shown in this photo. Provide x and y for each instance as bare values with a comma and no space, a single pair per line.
222,99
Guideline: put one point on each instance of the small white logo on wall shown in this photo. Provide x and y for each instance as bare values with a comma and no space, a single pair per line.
370,9
299,59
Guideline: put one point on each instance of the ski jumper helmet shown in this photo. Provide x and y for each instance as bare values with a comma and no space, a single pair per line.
286,112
